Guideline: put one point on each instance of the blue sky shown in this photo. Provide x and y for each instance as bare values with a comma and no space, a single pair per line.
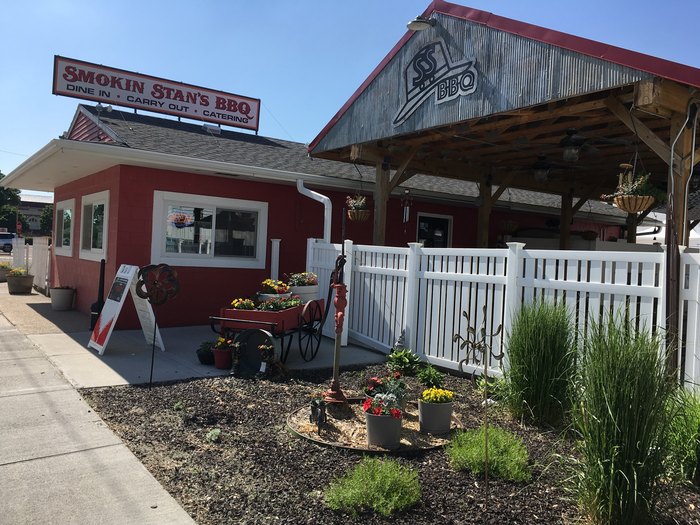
302,58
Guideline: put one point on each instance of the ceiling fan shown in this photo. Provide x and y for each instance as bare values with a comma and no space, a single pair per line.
574,142
543,166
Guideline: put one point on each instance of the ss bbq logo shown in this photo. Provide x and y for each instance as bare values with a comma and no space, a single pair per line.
432,71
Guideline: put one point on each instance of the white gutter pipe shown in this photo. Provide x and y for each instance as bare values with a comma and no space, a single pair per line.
327,208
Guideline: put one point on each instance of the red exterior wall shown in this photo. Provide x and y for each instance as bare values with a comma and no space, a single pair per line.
291,217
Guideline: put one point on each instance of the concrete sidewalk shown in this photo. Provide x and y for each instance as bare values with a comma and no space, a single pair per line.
59,462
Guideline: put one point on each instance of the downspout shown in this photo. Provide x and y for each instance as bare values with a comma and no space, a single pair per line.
327,208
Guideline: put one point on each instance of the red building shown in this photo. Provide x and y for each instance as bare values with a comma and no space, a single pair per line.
137,189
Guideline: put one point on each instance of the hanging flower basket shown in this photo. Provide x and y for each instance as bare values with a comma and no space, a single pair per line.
358,215
633,203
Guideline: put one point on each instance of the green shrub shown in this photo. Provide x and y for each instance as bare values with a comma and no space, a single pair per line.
684,436
508,456
430,377
541,363
213,435
383,486
622,416
404,361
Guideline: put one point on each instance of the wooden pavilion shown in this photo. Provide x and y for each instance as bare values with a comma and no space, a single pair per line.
479,97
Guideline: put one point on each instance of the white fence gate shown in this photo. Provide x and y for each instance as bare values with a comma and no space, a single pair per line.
36,258
430,294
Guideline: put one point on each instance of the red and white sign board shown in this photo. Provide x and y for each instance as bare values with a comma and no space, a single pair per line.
124,282
78,79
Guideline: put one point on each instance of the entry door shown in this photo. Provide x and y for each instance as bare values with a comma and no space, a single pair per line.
435,231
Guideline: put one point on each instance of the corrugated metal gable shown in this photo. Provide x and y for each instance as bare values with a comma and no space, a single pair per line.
513,72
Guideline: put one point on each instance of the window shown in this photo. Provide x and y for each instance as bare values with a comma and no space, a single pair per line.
93,226
63,244
435,231
200,230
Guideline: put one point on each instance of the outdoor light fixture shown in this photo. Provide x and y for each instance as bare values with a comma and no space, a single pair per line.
420,23
540,169
570,153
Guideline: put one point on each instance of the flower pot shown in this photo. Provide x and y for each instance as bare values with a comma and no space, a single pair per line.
383,431
270,296
305,293
20,284
633,203
434,418
206,357
358,215
3,274
223,359
62,298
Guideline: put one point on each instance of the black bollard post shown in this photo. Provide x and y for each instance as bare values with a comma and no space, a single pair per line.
96,307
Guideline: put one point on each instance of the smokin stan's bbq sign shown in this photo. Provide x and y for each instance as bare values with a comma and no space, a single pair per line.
431,70
74,78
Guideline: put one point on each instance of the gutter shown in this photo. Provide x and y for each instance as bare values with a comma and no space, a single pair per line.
327,208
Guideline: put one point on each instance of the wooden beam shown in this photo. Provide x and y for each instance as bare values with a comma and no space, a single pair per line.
565,220
484,216
647,136
381,196
403,173
661,97
505,183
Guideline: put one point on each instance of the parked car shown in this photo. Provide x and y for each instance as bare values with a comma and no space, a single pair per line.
6,241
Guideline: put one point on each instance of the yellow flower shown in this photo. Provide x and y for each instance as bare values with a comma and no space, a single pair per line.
437,395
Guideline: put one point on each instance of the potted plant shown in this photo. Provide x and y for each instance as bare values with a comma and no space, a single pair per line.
389,384
205,354
223,350
634,194
19,281
435,411
4,268
357,207
61,297
304,285
383,420
273,289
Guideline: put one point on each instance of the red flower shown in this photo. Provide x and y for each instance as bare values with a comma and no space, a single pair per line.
397,375
367,404
395,412
378,411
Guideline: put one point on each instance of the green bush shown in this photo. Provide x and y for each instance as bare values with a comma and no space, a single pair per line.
541,363
622,416
508,456
430,377
383,486
684,436
404,361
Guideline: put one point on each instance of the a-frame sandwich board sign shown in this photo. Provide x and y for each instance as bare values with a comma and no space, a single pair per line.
124,282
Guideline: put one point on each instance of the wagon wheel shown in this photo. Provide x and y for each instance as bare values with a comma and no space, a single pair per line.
310,324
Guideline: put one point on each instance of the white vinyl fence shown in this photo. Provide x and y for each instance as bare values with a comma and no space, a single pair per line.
36,258
428,295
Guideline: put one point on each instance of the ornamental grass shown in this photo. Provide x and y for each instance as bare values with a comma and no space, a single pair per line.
621,416
542,360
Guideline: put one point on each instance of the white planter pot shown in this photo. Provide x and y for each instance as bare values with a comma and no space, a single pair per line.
305,293
62,298
269,296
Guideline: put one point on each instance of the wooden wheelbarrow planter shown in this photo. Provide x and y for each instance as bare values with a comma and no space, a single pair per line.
304,321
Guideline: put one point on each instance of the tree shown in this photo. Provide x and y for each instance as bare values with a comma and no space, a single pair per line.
8,196
46,220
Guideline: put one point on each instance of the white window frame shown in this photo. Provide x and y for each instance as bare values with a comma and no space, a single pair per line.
163,199
93,254
450,224
64,251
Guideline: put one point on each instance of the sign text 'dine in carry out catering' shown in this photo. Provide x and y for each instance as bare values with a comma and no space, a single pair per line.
75,78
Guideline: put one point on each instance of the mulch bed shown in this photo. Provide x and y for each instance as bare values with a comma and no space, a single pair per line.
259,473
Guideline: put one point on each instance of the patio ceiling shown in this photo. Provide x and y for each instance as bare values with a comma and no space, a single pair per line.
507,146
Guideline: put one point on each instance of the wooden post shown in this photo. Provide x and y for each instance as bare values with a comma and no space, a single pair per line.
482,228
381,196
567,202
631,228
